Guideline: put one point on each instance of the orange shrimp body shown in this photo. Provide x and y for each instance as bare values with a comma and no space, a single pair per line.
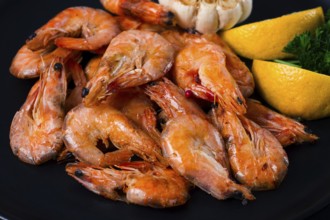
36,130
78,28
195,149
84,127
239,71
256,157
200,69
144,10
28,64
147,186
133,58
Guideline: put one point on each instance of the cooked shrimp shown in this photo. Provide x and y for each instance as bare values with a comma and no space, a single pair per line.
84,127
133,58
92,67
155,187
79,79
239,71
195,150
256,157
127,23
36,130
172,99
200,69
286,130
144,10
77,28
28,64
235,66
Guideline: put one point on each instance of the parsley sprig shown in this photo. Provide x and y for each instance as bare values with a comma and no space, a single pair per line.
311,49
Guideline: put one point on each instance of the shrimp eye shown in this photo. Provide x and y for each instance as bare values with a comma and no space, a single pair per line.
214,105
84,92
58,66
239,101
78,173
152,83
33,35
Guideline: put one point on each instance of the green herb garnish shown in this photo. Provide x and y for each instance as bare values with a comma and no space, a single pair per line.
312,49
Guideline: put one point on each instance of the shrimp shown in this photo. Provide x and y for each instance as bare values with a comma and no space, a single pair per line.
133,58
155,186
28,64
195,149
36,129
76,28
84,127
256,157
200,69
239,71
172,99
235,66
79,79
144,10
127,23
286,130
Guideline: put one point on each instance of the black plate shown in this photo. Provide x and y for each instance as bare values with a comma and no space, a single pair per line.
46,192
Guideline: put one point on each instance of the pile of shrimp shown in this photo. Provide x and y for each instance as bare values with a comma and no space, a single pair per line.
143,113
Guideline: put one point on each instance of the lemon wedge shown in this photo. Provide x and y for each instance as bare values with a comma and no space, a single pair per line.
266,39
293,91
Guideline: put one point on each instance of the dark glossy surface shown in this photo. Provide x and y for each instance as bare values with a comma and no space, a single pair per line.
46,192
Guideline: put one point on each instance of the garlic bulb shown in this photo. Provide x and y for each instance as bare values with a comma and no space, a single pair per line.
208,16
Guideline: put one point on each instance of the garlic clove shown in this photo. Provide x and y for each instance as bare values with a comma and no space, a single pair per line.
207,17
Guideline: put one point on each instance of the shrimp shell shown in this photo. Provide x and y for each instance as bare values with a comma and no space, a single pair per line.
195,149
36,129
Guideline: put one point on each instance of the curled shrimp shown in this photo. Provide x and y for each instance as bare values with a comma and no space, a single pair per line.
239,71
84,127
256,157
36,129
172,99
28,64
150,186
195,149
235,66
286,130
77,28
200,69
133,58
144,10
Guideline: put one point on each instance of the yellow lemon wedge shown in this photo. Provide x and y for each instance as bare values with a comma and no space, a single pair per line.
266,39
293,91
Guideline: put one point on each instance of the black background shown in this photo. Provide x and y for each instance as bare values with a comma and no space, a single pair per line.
46,192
